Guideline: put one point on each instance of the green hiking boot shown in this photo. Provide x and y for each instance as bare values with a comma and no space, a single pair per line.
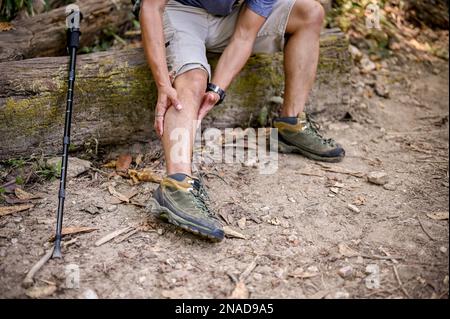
183,201
301,135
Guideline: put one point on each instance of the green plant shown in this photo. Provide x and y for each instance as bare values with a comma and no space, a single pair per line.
47,171
9,8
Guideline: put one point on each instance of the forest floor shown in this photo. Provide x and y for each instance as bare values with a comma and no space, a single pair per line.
302,239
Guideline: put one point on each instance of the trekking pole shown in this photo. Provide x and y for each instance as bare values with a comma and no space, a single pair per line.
73,18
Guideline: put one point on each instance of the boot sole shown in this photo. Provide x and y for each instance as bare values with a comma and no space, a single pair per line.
155,208
285,148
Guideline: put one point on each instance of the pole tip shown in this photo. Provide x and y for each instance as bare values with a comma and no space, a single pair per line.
57,252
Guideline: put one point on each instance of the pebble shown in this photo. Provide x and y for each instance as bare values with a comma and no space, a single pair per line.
291,200
14,241
160,231
390,187
89,294
346,271
265,209
257,276
341,294
378,178
334,190
354,208
443,250
112,208
76,167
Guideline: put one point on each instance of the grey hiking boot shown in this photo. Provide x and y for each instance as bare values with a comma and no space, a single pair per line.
301,135
183,201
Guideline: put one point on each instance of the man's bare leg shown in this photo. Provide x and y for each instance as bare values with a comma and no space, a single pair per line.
180,125
301,54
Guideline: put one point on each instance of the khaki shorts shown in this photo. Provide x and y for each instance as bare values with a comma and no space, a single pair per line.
190,32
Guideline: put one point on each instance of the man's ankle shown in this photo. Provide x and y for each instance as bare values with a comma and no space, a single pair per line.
179,177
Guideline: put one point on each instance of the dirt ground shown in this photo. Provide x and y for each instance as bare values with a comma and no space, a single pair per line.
300,232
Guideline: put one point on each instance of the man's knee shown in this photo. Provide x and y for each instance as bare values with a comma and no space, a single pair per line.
192,83
308,13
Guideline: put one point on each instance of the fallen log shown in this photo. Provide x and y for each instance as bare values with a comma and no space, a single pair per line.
115,97
44,34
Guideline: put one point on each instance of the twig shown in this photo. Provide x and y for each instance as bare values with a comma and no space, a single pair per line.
395,261
112,235
126,236
248,270
381,257
28,281
424,230
397,276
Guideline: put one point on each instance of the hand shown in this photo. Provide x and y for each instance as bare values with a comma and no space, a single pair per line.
210,99
167,97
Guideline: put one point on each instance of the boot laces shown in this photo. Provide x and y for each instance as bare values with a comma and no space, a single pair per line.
315,128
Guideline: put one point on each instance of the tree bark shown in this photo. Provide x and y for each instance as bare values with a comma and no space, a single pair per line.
44,34
115,97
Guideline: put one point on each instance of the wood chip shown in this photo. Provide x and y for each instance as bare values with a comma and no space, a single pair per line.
300,273
123,164
438,215
23,195
229,232
346,251
118,195
112,235
8,210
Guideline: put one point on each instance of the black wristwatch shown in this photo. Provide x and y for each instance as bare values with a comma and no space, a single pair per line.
214,88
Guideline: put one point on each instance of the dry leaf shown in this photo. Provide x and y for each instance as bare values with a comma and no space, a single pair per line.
240,291
139,159
111,164
118,195
75,230
7,210
359,201
123,164
23,195
6,26
346,251
145,175
229,232
438,215
41,292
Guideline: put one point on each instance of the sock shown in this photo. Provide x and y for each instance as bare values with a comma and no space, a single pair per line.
179,177
288,120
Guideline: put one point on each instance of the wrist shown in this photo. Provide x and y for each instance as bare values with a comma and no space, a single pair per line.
214,88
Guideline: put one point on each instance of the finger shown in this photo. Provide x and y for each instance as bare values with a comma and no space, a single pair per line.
161,109
174,101
209,100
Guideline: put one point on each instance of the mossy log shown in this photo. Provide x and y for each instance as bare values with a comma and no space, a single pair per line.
44,34
115,97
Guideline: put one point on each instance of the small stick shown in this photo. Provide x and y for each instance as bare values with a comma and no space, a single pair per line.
395,261
28,281
424,230
112,235
126,236
397,276
248,270
381,257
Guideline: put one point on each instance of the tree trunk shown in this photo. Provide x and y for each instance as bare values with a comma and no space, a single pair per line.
115,97
44,34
